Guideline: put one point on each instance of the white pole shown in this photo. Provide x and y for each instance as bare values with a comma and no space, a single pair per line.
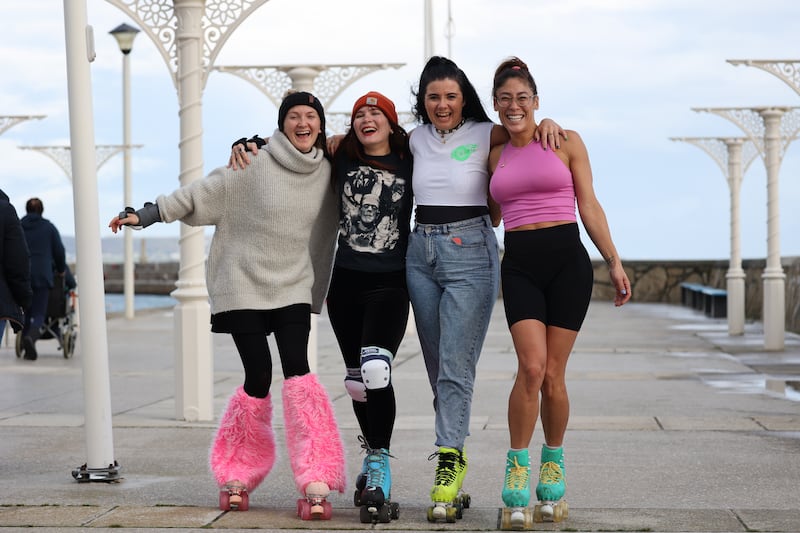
128,286
773,276
97,394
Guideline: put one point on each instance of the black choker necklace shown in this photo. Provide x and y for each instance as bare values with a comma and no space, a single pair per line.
442,133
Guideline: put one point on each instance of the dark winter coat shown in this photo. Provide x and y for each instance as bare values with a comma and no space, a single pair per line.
15,275
46,250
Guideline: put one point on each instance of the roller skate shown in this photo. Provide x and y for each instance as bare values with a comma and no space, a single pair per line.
315,505
376,504
517,492
449,501
315,447
551,487
243,451
361,482
233,496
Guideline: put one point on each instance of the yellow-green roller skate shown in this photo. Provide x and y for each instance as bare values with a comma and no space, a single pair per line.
448,500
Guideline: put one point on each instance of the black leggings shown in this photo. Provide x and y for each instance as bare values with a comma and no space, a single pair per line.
291,326
369,309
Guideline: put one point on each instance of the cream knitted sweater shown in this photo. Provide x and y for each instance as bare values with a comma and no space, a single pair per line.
276,225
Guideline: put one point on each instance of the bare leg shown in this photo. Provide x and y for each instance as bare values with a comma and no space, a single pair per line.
555,400
530,343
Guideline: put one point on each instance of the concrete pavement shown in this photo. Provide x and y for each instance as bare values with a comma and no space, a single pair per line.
675,426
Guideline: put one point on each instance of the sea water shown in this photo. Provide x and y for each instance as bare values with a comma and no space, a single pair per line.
115,303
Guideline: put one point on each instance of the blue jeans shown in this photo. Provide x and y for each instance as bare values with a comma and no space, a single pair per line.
453,279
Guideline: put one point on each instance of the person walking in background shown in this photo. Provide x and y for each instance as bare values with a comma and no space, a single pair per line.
48,259
452,263
269,267
367,301
547,280
15,269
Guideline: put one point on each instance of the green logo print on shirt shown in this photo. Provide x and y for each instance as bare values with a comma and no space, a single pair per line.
463,152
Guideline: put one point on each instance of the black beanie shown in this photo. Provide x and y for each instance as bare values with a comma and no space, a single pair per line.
301,98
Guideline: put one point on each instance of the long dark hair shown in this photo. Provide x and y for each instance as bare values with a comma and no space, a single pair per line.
352,149
441,68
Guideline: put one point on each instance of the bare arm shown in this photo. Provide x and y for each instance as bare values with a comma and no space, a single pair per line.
593,216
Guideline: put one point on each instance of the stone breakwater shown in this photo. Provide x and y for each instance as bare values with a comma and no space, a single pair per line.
652,281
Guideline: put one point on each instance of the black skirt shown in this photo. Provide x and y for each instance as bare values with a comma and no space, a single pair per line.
259,320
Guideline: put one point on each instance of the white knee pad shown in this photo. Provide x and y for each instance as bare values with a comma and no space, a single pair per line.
354,385
376,367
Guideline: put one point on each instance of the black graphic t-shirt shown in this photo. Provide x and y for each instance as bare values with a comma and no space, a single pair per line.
374,214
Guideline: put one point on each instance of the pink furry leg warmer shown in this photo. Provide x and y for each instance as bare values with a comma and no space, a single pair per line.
312,436
244,447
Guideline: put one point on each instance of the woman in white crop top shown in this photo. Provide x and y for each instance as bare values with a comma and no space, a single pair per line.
452,263
547,280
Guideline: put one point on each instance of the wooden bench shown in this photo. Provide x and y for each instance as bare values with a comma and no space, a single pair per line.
713,302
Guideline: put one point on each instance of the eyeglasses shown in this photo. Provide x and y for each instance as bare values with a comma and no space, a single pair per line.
523,100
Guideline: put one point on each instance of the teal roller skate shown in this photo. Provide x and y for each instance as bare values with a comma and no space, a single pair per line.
361,478
517,492
375,498
551,487
446,494
361,482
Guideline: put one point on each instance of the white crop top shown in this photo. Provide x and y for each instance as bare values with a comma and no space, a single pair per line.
454,172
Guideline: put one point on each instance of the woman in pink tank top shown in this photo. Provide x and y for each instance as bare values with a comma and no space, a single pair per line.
547,279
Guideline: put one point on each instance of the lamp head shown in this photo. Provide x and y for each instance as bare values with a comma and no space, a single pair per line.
124,35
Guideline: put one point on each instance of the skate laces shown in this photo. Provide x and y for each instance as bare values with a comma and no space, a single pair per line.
550,473
446,470
376,461
516,475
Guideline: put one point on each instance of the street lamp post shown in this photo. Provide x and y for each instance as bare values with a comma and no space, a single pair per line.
125,35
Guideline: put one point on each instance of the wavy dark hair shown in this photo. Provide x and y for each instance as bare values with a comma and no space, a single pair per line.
513,67
441,68
352,149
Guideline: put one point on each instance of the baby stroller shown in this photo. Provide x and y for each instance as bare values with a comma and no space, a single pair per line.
61,320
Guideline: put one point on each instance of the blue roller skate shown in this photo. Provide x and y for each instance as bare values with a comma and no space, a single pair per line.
376,504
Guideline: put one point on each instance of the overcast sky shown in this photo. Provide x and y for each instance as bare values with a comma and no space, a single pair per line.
624,73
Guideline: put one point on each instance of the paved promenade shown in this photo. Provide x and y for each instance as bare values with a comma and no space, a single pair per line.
675,427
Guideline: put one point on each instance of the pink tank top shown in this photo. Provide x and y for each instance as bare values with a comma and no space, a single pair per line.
532,185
